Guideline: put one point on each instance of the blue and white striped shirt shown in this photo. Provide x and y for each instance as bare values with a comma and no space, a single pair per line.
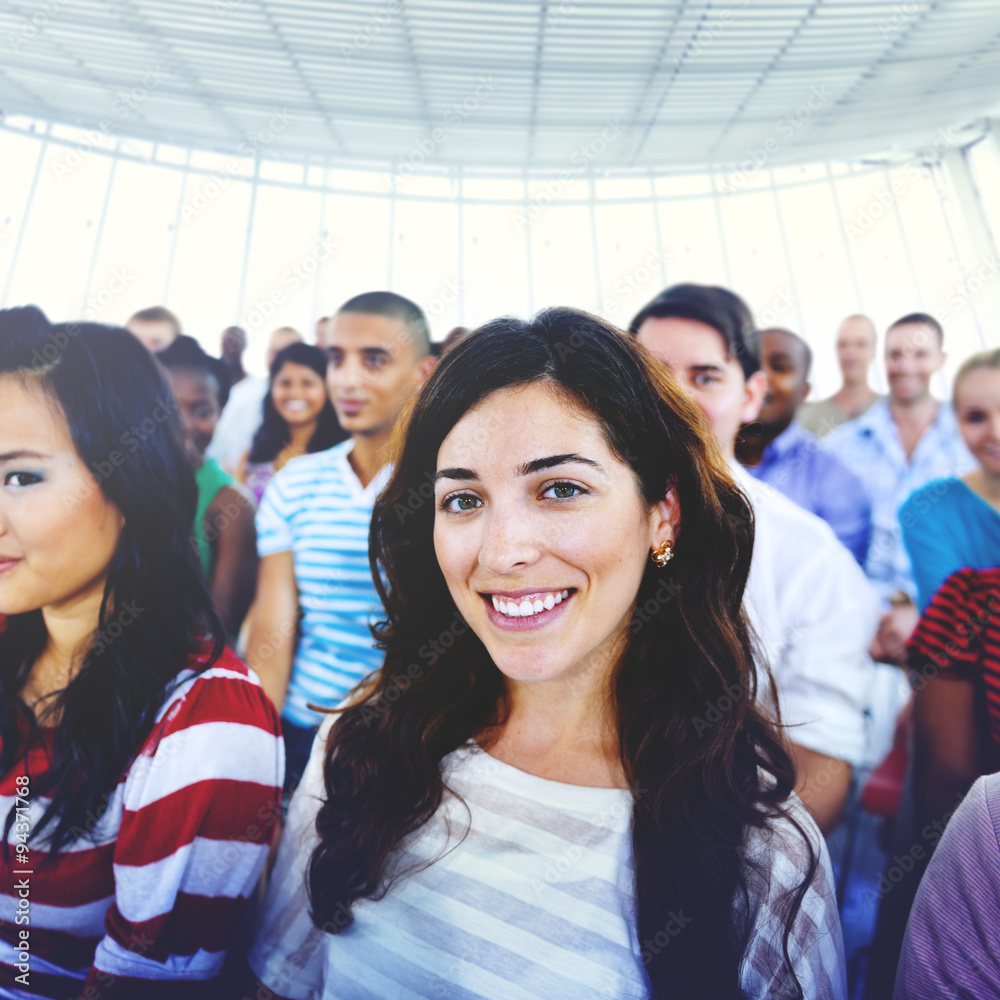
317,509
871,448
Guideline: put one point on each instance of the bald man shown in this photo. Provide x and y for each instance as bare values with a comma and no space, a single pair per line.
244,411
855,353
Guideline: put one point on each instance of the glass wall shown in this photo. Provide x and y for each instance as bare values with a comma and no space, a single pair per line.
99,232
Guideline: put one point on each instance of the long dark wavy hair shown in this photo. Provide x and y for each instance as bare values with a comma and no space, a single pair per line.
123,422
274,433
695,788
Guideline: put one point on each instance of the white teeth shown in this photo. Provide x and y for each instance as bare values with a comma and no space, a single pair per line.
526,608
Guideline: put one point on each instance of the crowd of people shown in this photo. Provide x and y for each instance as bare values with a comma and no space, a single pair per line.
538,661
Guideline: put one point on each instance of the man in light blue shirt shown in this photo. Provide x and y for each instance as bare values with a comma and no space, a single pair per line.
781,452
902,443
311,641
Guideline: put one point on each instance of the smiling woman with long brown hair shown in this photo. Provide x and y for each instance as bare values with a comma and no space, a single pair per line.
560,783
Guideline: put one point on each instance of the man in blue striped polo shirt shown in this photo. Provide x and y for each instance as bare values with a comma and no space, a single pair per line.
311,642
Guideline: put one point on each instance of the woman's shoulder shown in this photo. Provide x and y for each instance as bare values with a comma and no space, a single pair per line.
226,696
948,490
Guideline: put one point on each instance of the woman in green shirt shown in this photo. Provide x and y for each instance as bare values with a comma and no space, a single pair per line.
224,535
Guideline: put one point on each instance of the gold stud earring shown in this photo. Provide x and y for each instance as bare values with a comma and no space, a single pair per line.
663,553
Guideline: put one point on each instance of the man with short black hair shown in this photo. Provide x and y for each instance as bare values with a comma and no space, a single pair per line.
806,597
313,523
776,449
902,443
392,307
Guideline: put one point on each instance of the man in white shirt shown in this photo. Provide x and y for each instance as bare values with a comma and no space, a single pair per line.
245,408
807,598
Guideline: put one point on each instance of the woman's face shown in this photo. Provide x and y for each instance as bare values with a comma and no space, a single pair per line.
977,406
299,394
58,532
542,534
197,395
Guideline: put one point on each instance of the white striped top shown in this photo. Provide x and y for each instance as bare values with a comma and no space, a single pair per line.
536,901
317,509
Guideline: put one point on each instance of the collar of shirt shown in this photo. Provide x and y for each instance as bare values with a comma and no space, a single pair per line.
877,425
337,457
790,440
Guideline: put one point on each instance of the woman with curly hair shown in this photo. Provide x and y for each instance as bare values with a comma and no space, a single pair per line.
560,783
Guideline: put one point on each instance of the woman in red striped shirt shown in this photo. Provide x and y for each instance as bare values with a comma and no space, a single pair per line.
954,659
140,761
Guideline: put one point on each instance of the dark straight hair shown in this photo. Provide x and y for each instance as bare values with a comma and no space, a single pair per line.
695,789
123,422
274,432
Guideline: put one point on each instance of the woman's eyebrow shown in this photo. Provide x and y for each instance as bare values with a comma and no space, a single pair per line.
536,465
455,474
539,464
14,456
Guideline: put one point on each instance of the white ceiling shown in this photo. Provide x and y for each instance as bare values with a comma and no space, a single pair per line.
509,84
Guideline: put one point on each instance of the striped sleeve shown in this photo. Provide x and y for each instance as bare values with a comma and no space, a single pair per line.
274,529
200,804
778,866
946,634
287,955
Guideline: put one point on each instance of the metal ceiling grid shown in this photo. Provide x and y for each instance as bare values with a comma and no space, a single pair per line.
523,84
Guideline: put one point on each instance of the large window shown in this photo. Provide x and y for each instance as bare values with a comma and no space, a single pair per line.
104,232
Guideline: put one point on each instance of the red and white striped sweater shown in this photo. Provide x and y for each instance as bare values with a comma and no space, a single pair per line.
147,907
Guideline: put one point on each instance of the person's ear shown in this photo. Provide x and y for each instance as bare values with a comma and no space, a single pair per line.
755,390
424,369
666,522
806,389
